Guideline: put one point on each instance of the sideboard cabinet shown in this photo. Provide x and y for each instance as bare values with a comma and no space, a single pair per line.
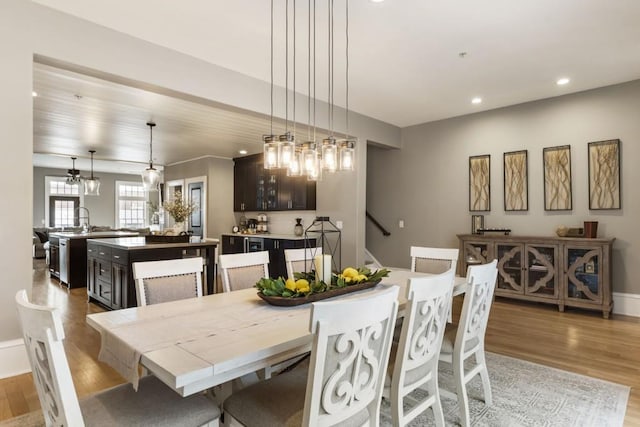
572,272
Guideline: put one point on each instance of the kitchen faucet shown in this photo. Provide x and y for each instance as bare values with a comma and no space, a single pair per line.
86,227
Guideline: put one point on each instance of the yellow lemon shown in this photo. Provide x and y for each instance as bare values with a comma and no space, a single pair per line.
361,278
302,283
304,289
347,279
350,272
290,284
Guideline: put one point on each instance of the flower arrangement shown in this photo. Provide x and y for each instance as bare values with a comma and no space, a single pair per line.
178,209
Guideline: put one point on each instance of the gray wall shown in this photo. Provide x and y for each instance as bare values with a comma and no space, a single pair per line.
426,181
101,208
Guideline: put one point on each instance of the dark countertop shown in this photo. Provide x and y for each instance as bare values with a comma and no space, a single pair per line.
135,243
92,234
267,236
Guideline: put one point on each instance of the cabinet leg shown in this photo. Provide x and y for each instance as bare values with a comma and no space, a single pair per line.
561,308
605,314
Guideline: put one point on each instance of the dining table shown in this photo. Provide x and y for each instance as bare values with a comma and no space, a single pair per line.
195,344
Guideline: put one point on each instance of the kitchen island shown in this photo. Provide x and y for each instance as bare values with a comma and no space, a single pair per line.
109,271
68,254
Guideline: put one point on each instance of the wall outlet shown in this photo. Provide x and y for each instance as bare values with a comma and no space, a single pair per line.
339,225
401,223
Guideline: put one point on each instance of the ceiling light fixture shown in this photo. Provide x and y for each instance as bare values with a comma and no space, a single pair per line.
242,152
34,93
92,185
307,158
476,100
73,174
151,176
562,81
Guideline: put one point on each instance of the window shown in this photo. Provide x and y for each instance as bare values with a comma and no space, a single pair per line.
61,202
131,205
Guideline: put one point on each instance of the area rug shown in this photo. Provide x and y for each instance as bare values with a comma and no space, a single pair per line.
527,394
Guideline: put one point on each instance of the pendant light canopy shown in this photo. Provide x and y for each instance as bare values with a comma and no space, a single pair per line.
309,158
73,174
151,176
92,184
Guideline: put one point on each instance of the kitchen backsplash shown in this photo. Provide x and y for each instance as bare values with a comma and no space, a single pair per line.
281,222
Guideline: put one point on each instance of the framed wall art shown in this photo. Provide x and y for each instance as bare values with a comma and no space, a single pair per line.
557,178
604,174
479,183
516,181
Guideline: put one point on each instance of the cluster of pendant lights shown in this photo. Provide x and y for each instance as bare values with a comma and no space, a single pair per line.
306,159
91,184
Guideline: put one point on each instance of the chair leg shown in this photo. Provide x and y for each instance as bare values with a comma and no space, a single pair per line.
438,414
396,400
461,391
484,375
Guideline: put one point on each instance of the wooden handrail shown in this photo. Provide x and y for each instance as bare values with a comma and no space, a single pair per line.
377,224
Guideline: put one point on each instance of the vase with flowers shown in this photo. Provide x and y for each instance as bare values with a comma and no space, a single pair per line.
179,211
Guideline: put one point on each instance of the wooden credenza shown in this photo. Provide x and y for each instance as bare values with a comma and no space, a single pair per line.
573,272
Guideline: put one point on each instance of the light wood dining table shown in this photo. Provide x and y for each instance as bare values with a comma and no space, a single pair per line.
198,343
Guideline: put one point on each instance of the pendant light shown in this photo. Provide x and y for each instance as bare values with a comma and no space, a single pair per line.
73,174
271,148
92,185
346,148
151,176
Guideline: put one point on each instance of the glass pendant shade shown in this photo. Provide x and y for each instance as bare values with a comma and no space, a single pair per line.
309,158
92,187
329,155
151,179
287,150
347,156
294,168
271,148
151,176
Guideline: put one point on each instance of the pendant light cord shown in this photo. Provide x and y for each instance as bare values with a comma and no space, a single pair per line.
271,116
347,67
286,68
294,69
151,146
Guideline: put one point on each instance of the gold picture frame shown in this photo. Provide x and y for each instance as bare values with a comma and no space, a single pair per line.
558,194
604,175
516,181
479,183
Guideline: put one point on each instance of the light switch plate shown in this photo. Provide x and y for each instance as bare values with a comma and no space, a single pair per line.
401,223
339,225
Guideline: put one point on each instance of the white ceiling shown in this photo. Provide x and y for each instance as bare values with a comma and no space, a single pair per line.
404,60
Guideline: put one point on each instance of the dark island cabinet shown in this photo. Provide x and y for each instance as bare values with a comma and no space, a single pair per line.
107,275
259,189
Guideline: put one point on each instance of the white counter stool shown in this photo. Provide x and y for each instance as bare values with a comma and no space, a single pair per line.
153,404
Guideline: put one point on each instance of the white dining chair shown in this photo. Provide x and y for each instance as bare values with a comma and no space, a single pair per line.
415,363
467,339
168,280
300,260
153,404
434,261
242,271
344,380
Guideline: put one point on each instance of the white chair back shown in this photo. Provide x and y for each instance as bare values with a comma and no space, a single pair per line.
242,271
43,334
169,280
433,260
349,358
300,260
416,363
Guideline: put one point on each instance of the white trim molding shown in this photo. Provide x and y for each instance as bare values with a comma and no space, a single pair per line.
626,304
13,358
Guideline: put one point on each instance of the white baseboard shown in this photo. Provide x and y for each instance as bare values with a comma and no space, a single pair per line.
13,358
626,304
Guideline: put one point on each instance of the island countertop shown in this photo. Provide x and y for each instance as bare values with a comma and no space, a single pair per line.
92,234
267,236
138,243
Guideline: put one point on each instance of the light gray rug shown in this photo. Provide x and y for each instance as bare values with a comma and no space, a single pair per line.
528,394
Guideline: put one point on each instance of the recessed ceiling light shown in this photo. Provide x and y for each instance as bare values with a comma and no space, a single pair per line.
243,152
476,100
376,1
562,81
34,93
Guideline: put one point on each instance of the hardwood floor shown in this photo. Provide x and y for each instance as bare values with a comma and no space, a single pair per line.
577,340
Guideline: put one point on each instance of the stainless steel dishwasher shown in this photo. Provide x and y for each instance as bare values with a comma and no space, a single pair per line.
64,260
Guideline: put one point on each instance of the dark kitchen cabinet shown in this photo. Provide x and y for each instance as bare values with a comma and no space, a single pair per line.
259,189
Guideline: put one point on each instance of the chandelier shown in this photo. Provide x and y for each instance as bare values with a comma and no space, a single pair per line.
92,184
308,158
150,176
73,174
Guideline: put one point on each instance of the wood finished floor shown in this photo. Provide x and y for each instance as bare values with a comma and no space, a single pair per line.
577,340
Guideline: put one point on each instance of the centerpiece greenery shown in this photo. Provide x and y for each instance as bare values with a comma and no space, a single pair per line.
306,284
178,209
